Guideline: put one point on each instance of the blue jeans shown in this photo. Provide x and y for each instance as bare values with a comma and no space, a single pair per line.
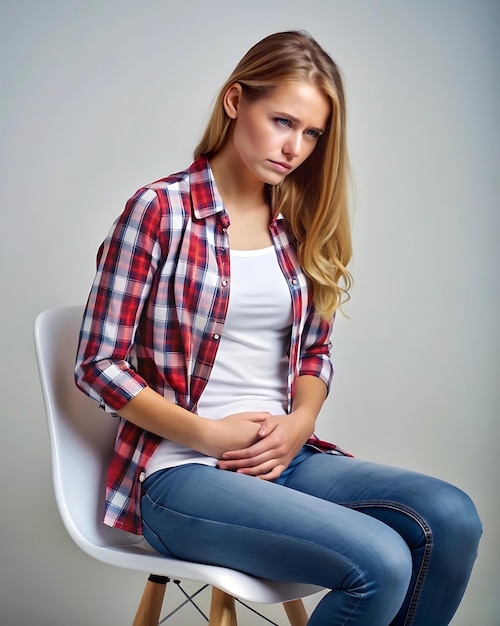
393,546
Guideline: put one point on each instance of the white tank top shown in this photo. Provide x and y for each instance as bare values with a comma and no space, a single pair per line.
251,367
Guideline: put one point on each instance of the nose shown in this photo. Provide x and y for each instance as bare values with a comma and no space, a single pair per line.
293,144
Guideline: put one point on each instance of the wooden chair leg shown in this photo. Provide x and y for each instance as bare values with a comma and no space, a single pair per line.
222,609
149,609
296,612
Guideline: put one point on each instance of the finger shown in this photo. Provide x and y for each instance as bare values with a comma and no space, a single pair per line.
239,463
257,449
273,474
264,469
268,426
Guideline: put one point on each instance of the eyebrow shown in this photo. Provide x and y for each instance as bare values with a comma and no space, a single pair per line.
297,121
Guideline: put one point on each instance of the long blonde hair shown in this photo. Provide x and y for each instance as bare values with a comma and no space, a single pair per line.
314,197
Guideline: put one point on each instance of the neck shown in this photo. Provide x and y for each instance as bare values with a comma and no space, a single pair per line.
237,186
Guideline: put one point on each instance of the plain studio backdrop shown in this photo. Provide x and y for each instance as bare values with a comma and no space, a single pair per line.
99,98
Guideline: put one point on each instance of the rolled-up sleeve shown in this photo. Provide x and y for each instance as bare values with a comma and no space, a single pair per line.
315,354
126,264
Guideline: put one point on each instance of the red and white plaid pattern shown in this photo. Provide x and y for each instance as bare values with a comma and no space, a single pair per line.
156,312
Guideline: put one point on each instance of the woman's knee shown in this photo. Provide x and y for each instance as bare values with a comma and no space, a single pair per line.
456,531
383,577
394,565
452,514
385,564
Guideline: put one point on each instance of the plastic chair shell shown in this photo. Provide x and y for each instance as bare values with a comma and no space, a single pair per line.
81,440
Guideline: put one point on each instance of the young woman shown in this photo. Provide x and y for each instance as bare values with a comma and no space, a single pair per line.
207,331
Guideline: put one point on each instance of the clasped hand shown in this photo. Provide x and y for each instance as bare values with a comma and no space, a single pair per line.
266,444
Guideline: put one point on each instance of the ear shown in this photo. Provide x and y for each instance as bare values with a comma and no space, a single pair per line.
232,99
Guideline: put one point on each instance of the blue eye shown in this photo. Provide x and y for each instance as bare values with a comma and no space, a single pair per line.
282,121
315,134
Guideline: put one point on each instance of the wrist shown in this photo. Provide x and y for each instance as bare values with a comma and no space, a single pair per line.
205,435
306,418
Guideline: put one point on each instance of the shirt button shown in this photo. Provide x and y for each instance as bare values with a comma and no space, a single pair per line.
142,477
216,337
224,283
294,281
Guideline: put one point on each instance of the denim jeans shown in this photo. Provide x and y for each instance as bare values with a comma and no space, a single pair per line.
394,547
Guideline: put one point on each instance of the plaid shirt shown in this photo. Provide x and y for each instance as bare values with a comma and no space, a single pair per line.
156,312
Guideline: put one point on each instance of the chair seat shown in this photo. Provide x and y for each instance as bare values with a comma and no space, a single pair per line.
142,558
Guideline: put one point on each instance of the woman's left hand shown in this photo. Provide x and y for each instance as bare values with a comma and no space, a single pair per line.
282,436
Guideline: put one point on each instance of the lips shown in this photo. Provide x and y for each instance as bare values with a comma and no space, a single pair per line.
284,167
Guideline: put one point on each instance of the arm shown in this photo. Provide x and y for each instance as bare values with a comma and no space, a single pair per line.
127,263
151,411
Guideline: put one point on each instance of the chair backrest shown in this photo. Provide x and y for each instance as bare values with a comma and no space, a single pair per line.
81,434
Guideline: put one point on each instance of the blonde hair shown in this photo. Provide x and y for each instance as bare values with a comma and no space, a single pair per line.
314,197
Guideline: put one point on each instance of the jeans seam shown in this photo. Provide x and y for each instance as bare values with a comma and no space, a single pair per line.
427,532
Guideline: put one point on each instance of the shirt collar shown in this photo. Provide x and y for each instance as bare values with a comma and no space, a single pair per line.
205,198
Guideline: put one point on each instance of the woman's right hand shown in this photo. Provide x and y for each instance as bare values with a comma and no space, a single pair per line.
233,432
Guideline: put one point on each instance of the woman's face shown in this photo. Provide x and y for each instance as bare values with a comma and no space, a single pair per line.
276,134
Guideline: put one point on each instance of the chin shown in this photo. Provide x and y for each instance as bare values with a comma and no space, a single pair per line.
273,178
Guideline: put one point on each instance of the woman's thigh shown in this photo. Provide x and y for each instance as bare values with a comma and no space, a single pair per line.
200,513
421,508
437,520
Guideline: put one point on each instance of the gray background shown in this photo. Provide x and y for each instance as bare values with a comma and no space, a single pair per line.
100,97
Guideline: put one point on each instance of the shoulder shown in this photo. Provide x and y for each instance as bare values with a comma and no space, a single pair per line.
165,192
177,193
170,184
163,204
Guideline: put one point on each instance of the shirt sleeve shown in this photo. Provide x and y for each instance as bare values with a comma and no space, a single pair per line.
315,354
126,264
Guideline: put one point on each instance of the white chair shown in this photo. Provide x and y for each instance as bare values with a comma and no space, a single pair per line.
81,440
